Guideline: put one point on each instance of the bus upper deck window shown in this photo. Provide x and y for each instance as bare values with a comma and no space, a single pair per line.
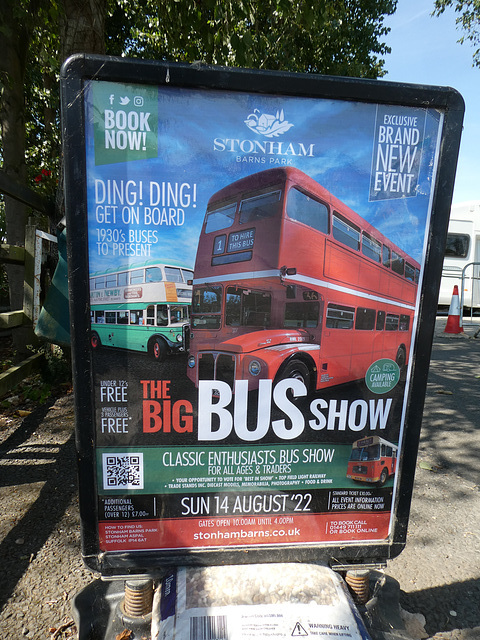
398,264
153,274
100,283
386,257
371,248
409,272
259,207
111,280
458,245
172,274
345,233
137,276
122,279
220,218
187,275
306,209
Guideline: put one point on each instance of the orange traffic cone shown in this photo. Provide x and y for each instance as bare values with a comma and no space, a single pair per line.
453,320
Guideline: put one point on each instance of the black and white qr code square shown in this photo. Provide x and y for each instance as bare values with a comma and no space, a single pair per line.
122,470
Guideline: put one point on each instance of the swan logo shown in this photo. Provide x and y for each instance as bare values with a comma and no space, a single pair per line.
268,125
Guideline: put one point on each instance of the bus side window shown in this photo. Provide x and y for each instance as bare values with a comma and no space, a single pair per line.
151,315
173,274
122,317
365,319
380,325
391,323
339,317
345,233
110,317
100,317
137,276
409,272
301,314
306,209
386,257
153,274
136,317
371,247
162,315
404,323
398,264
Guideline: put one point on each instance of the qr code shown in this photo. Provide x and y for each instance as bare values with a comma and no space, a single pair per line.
122,470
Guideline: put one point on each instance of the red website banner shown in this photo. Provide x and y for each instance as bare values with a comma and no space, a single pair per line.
232,532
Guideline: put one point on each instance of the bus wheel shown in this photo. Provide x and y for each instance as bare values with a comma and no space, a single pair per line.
298,370
383,477
158,350
401,360
95,341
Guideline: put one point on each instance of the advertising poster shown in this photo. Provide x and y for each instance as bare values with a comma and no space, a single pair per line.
255,264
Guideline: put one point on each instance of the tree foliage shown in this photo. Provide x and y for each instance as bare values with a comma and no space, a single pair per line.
468,20
327,36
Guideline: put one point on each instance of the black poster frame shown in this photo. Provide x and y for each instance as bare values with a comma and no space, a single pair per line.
81,69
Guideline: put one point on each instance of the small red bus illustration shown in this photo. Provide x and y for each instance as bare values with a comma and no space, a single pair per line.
289,282
373,459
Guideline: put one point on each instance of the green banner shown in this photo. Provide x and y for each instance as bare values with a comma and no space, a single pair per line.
125,122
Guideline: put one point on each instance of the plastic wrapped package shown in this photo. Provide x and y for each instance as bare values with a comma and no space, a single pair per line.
255,601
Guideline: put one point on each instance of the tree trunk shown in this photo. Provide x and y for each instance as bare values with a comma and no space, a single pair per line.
12,121
82,27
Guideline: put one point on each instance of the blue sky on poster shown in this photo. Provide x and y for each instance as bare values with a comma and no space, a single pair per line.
343,136
425,50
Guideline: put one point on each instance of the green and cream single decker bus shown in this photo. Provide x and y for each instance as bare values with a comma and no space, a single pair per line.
142,307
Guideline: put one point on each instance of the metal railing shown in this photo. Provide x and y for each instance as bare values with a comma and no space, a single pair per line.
474,278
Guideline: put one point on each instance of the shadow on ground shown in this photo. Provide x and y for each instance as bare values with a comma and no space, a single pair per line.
31,531
446,607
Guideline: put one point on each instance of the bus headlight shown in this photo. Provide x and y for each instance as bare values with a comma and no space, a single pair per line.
254,367
179,337
191,362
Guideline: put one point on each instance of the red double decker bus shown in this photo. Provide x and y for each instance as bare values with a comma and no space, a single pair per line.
289,282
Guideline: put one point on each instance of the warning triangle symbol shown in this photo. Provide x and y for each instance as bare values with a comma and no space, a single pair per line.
298,631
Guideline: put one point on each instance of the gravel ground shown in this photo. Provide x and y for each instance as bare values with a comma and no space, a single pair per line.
439,571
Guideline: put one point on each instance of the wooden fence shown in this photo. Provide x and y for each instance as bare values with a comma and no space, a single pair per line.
29,255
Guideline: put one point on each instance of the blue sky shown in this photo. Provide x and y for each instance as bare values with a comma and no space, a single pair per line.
425,51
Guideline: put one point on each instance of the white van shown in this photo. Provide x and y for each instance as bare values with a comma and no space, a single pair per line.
463,248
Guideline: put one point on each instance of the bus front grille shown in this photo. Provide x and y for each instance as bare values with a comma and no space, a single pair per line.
206,367
220,366
360,469
225,369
